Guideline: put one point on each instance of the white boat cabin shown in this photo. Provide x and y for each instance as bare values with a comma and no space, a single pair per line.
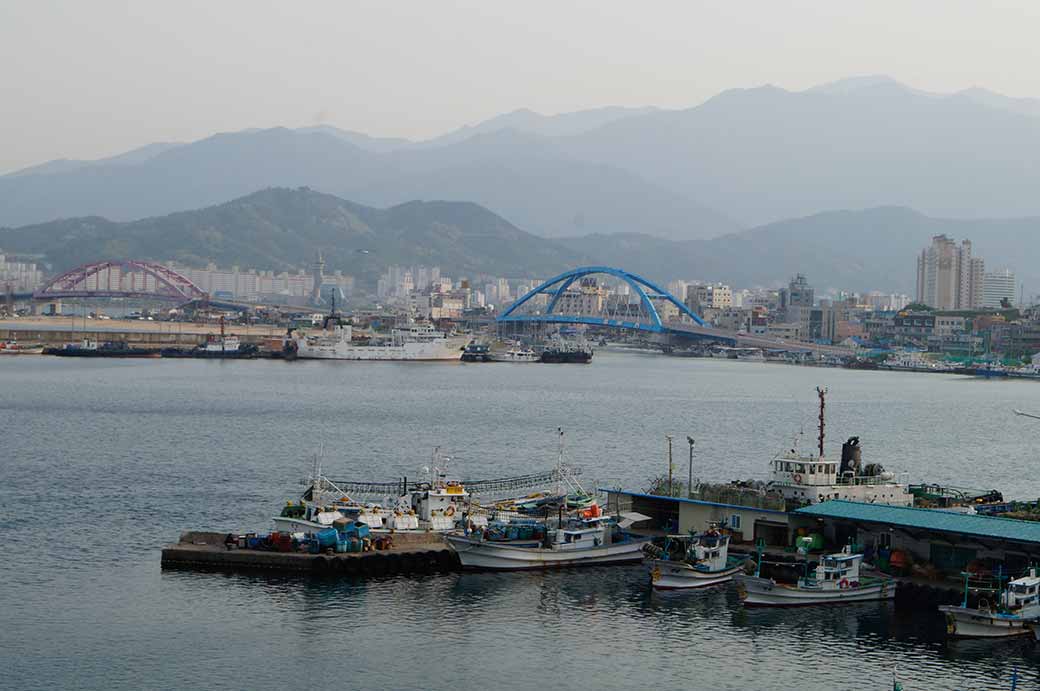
834,572
584,534
815,479
709,551
1023,593
440,505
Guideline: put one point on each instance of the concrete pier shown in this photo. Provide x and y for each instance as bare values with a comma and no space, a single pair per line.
411,554
144,334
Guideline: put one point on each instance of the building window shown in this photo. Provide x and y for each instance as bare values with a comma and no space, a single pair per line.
734,521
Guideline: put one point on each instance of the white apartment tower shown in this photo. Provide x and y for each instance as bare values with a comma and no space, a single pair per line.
997,287
948,276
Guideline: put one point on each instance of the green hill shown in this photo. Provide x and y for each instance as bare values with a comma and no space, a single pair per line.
281,229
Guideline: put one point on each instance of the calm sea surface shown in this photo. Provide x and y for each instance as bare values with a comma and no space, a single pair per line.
104,461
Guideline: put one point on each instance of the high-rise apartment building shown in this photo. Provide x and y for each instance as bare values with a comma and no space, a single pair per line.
948,276
998,287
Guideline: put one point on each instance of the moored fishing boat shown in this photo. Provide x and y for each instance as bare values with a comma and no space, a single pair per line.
572,542
16,348
693,561
514,352
836,580
1016,613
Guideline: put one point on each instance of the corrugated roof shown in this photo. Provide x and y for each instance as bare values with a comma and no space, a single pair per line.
927,519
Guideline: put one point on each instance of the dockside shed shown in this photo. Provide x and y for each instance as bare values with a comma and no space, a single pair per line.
679,514
950,541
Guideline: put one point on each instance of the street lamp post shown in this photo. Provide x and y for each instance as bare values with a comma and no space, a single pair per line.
671,492
689,481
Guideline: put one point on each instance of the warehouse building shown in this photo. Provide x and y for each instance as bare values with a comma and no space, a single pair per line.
949,541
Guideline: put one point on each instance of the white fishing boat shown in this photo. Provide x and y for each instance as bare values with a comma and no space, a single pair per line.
16,348
435,506
692,561
836,580
574,542
514,352
1016,613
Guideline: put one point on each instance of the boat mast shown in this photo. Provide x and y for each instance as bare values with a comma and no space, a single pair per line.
822,393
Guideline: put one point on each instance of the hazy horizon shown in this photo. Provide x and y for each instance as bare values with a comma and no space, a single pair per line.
93,80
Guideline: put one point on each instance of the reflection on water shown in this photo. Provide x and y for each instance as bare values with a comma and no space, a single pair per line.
106,461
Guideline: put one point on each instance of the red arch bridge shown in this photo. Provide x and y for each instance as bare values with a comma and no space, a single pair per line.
127,278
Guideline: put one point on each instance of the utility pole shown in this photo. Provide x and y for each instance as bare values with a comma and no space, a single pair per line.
671,492
689,481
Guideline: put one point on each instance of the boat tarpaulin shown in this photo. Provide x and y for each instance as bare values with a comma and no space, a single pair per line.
630,518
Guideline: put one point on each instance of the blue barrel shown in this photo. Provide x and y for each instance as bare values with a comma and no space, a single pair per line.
326,538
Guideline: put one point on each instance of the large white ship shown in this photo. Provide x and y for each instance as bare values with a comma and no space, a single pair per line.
413,342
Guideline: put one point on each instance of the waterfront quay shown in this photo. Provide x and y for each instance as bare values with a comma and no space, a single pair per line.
134,332
410,554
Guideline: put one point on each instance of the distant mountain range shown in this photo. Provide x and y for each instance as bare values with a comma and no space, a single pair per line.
282,229
743,158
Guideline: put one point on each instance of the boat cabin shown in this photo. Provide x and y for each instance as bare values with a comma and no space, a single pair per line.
1023,592
584,534
835,572
440,501
791,468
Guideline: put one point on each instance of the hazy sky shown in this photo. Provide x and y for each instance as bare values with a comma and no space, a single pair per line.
90,79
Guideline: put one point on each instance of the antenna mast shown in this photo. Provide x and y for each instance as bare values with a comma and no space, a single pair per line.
822,393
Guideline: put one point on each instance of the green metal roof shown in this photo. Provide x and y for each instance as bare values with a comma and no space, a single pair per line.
927,519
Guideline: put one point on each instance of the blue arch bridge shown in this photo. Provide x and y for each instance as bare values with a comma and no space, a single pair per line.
646,307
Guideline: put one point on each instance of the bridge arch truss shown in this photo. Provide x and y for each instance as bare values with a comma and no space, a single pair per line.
642,314
126,278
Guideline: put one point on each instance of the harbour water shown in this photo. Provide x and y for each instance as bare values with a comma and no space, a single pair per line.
104,461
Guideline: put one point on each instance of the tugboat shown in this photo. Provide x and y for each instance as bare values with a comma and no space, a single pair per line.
476,352
560,351
1017,612
809,479
836,580
693,561
217,348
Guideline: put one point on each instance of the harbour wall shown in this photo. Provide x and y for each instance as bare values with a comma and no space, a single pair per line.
410,554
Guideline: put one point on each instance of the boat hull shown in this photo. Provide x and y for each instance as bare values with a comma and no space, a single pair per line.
671,575
764,592
444,349
963,622
490,556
